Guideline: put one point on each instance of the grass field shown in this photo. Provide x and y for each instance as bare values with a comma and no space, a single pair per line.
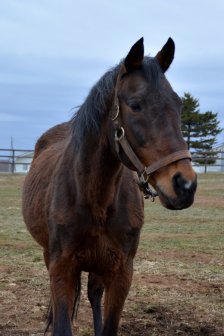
178,284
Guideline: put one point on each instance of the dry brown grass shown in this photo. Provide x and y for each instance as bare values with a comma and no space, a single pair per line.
178,285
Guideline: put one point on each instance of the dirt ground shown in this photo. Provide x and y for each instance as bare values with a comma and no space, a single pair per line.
26,303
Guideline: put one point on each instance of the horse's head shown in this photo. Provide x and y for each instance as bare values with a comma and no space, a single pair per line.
146,114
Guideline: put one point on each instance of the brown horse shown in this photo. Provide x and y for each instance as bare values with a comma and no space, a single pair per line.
83,196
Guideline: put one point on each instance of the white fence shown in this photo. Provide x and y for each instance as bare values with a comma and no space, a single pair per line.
19,161
15,160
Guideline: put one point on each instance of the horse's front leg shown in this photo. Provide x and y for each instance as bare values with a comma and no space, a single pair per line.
64,278
95,292
116,291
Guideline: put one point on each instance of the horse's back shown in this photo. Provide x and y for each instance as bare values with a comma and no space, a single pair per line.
48,151
54,135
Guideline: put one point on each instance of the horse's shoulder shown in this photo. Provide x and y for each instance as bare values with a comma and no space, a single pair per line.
129,183
130,195
52,136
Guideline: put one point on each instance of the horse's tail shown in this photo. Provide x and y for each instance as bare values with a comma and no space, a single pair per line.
76,298
49,315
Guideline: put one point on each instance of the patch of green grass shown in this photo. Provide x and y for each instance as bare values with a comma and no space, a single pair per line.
199,228
85,331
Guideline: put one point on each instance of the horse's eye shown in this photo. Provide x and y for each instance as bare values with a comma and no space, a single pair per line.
135,106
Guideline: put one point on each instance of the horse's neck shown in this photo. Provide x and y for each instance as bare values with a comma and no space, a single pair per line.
99,174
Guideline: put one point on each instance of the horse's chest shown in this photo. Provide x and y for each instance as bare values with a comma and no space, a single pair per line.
98,254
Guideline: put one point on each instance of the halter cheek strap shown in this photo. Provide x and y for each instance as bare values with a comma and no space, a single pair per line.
143,172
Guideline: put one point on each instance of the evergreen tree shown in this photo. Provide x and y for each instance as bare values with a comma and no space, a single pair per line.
199,129
190,119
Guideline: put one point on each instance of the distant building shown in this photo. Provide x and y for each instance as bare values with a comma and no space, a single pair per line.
23,162
217,166
5,166
220,158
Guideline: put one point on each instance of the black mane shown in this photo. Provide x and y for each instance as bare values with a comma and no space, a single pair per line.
89,116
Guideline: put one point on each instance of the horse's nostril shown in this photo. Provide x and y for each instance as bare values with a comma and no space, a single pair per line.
178,181
182,185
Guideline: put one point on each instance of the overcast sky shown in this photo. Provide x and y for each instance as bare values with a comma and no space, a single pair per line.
52,52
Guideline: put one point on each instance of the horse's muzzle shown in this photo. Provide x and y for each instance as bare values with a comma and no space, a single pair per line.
184,190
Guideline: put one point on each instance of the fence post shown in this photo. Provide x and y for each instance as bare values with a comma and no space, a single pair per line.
206,162
13,161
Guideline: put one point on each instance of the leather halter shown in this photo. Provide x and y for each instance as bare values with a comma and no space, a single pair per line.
143,172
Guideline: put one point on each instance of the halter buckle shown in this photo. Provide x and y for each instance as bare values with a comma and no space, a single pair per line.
144,177
144,185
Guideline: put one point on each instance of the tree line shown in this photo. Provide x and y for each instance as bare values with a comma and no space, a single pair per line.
200,129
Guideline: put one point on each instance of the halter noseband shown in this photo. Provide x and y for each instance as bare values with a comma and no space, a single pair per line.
143,172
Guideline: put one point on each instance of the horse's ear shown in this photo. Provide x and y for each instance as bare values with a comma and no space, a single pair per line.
135,56
166,54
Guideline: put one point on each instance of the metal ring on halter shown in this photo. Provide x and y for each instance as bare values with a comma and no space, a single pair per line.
117,110
119,133
144,177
